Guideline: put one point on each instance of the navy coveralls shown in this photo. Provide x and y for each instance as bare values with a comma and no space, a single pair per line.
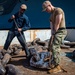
22,22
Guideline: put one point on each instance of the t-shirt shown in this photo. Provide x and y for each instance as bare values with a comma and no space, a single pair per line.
56,12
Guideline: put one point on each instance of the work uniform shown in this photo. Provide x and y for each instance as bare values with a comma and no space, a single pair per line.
22,21
59,35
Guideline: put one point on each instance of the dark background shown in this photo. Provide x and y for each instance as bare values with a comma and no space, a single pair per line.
38,19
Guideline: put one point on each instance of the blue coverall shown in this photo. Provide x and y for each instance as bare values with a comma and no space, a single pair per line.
22,22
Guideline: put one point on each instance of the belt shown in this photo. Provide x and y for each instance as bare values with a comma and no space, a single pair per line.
61,28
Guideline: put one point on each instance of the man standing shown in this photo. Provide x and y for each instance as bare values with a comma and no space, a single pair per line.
20,23
58,33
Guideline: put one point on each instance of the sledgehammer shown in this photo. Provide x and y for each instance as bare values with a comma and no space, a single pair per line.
20,34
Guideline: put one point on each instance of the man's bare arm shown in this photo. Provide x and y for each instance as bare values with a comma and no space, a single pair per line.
57,22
